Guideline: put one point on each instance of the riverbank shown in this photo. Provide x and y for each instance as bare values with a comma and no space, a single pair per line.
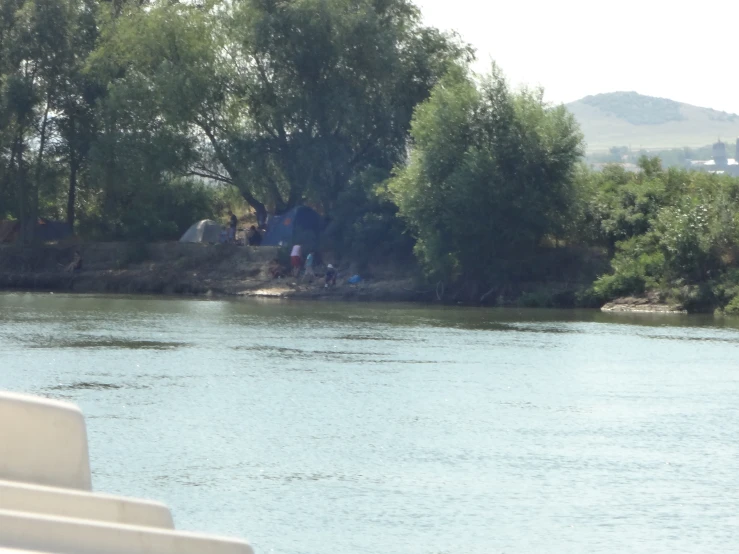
647,304
237,271
190,269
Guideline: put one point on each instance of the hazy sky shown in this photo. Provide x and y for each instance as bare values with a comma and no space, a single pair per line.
574,48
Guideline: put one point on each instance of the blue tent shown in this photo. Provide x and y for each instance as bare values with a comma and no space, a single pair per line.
301,225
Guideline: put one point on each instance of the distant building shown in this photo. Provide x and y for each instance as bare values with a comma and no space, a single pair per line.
720,164
628,166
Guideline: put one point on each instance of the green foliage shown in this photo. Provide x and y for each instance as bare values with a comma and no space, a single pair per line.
45,105
161,212
490,175
618,204
732,308
673,231
104,107
109,112
636,269
288,101
364,225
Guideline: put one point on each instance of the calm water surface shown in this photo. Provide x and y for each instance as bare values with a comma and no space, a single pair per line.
325,428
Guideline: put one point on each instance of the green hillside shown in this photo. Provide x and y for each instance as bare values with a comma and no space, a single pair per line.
645,122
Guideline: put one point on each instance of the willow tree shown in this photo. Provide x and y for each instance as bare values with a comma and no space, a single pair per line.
490,175
288,100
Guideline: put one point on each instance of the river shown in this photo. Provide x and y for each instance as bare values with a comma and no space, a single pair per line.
325,428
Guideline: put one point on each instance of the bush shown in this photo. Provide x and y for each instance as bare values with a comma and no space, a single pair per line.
162,211
681,234
636,268
732,308
491,174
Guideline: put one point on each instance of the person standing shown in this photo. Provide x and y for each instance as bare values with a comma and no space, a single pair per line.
330,276
296,260
233,221
253,236
309,261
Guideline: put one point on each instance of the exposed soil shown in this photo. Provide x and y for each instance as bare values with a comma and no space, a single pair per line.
242,271
183,268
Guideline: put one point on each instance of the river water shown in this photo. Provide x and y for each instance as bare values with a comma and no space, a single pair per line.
325,428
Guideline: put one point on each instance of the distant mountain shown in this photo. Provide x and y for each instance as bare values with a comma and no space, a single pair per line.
638,121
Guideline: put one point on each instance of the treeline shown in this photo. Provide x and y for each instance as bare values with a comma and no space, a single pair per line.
496,195
124,117
672,232
132,119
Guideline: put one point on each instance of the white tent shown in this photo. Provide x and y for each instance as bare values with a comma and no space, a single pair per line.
202,231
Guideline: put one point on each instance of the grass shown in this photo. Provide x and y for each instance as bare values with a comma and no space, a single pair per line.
698,127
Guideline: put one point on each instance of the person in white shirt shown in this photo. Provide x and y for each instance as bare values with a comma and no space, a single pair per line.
296,260
330,276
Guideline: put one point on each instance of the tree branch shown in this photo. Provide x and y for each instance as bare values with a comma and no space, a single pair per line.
207,175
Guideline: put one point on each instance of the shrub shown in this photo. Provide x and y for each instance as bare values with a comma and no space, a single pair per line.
490,175
732,308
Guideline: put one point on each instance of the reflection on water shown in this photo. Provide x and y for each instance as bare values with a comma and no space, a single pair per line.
84,385
372,337
87,385
323,427
97,342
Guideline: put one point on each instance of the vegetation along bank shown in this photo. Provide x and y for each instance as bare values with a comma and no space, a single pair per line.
129,121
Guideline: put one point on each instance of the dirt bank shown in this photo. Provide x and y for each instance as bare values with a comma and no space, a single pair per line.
183,268
228,270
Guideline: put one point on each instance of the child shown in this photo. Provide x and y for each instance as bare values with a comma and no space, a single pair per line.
233,222
330,276
309,268
75,264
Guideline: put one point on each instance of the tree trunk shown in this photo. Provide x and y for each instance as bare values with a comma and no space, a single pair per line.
30,222
11,174
72,194
21,185
235,175
73,167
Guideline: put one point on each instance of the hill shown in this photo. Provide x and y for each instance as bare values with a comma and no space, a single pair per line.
638,121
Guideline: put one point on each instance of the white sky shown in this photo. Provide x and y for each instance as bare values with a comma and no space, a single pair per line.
683,51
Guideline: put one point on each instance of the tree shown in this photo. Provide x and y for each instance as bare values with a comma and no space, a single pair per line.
489,176
76,100
34,39
288,101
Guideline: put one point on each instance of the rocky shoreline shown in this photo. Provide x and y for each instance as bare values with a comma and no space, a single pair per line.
649,304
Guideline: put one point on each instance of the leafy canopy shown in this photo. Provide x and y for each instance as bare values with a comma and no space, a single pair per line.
490,174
